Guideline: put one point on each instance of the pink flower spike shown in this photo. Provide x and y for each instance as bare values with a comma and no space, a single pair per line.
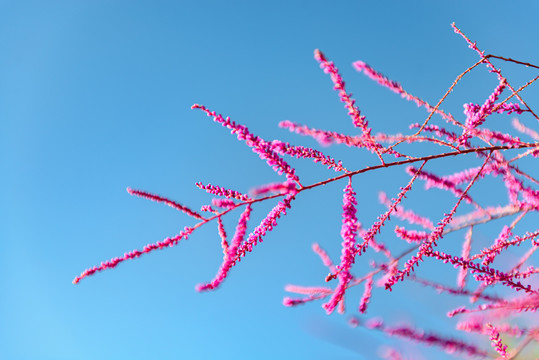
273,188
306,153
288,301
258,145
308,290
375,228
466,248
497,341
407,215
228,260
509,108
223,203
525,130
448,345
484,273
366,296
221,191
411,236
434,181
323,137
357,119
265,226
326,260
499,247
222,235
349,234
168,202
379,78
112,263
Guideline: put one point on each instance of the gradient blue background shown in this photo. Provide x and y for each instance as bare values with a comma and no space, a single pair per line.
95,96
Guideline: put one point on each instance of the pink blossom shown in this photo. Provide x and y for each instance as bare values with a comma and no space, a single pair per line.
349,234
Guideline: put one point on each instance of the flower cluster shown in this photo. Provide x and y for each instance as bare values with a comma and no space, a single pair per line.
481,269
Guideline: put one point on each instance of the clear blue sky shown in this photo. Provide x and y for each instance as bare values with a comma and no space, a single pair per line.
95,96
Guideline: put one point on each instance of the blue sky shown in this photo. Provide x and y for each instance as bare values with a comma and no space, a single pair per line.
95,96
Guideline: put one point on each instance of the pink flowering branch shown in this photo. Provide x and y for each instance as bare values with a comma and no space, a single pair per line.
398,89
222,234
449,345
426,246
501,245
477,118
485,59
455,139
168,202
518,305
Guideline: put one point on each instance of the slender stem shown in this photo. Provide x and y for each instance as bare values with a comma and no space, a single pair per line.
511,60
